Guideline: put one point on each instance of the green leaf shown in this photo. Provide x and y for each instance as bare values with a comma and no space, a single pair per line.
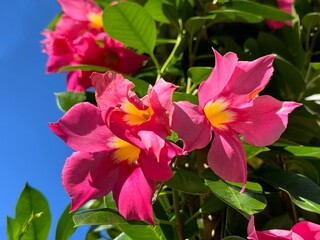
179,96
303,192
233,238
65,227
234,15
66,100
141,86
262,10
187,182
33,214
13,228
83,67
123,236
303,151
199,74
132,25
103,216
212,204
283,221
53,23
142,232
249,202
310,21
155,8
252,151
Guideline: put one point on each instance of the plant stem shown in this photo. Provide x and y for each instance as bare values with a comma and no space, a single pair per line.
177,213
157,65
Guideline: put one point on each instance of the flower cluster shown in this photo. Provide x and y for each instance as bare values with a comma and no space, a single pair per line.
121,144
79,38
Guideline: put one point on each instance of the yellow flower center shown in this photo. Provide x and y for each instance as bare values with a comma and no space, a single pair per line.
135,116
124,151
218,114
95,20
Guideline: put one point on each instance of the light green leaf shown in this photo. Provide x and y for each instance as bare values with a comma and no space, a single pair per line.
132,25
252,151
13,228
179,96
155,8
199,74
249,202
65,100
142,232
103,216
303,192
65,227
304,151
123,236
188,182
33,214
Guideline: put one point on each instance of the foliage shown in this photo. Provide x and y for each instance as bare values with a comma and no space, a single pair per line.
178,37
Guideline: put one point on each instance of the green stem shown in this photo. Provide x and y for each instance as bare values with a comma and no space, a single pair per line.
157,65
177,213
195,215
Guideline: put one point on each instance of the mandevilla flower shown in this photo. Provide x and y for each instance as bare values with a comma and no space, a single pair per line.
228,105
286,6
79,38
120,145
301,231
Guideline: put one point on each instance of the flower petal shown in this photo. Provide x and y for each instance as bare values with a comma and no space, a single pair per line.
307,230
133,194
219,77
110,88
268,115
227,158
87,176
83,129
248,79
157,156
79,9
191,125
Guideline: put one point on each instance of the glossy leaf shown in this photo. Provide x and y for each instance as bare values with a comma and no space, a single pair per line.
32,214
103,216
310,21
199,74
252,151
142,232
13,228
265,11
187,182
233,238
132,25
304,151
155,8
179,96
83,67
65,227
66,100
303,192
249,202
123,236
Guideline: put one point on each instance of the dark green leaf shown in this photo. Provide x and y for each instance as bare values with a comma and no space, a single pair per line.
283,221
303,192
262,10
102,216
310,21
212,204
233,15
66,100
249,202
154,7
179,96
33,214
132,25
199,74
83,67
141,87
65,227
188,182
233,238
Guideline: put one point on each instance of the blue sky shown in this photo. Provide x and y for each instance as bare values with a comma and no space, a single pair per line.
30,151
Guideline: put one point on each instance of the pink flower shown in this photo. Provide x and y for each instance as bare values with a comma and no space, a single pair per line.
126,157
301,231
286,6
79,38
228,105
